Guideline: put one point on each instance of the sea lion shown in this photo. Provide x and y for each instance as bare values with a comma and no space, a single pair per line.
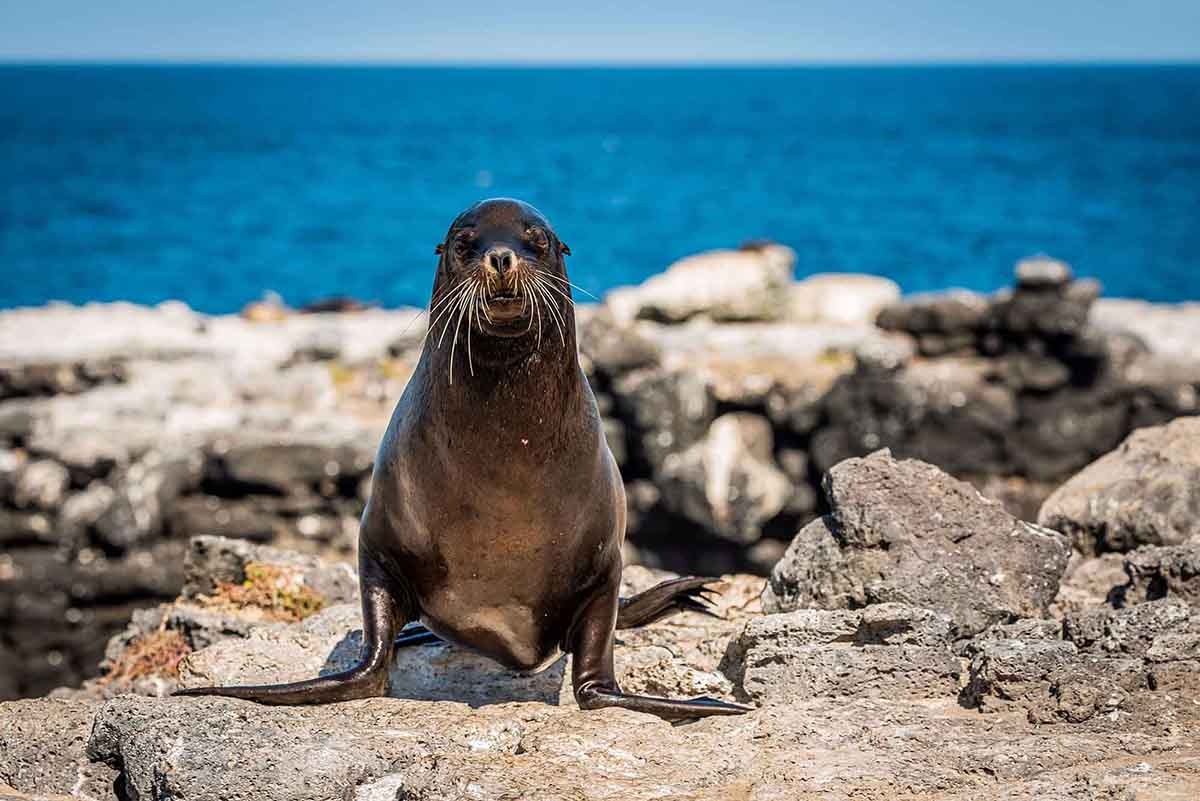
497,512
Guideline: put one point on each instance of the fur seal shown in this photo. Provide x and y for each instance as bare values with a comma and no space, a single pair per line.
497,512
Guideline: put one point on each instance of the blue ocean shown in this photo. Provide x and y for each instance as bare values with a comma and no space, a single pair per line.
216,184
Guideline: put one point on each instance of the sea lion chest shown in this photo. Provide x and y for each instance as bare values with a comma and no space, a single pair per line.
504,526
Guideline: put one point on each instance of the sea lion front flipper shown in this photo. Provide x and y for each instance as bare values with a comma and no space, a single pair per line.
666,599
595,682
383,617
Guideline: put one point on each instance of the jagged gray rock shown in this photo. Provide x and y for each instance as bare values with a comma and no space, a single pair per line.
1163,572
1008,672
904,531
1131,630
1146,492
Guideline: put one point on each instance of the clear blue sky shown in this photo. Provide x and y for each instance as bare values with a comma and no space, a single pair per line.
677,31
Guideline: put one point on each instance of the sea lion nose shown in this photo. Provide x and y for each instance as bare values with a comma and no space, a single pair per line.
501,260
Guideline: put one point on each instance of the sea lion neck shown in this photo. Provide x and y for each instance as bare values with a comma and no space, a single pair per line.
501,371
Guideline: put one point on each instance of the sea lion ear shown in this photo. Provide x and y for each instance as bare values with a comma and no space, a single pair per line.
439,249
563,249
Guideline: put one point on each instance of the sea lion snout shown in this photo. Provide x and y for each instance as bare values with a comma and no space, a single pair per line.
500,260
501,269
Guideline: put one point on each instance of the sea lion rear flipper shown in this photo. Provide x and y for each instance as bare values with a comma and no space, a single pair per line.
416,634
382,619
665,599
594,679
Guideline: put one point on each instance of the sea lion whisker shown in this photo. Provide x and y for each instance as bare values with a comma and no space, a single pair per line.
558,290
460,292
441,309
539,287
462,310
526,300
572,285
537,307
425,311
450,315
475,312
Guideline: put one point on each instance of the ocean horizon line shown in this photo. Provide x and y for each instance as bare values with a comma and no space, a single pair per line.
150,63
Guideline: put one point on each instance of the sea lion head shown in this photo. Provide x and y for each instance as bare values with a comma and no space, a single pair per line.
502,271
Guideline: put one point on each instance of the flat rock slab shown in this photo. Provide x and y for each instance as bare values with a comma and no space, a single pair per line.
207,748
43,750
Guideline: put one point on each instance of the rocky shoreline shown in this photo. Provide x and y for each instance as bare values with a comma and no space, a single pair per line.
871,678
1015,576
727,388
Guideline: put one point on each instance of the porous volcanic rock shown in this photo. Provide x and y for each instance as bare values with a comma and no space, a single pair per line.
1146,492
1163,572
43,746
886,650
906,532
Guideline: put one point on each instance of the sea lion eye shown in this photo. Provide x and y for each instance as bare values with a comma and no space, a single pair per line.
462,243
537,237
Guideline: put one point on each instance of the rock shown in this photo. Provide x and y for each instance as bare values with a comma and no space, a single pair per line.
1059,433
1177,647
1027,371
900,624
948,412
1027,629
143,494
670,410
841,298
1089,581
1007,673
802,500
201,748
1163,572
207,515
40,484
216,559
43,750
676,659
331,641
903,531
813,567
611,348
1146,492
19,528
81,511
288,466
1022,497
728,482
721,284
947,313
1168,330
1129,631
885,354
809,654
1043,272
1057,312
1086,687
883,650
